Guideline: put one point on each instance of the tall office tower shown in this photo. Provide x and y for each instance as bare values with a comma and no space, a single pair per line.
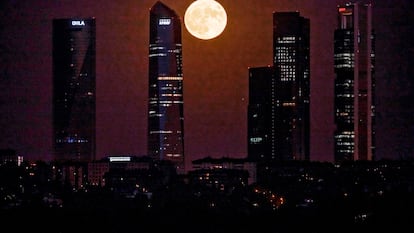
165,107
354,84
74,89
261,114
291,47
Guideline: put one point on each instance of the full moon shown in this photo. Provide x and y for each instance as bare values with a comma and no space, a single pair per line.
205,19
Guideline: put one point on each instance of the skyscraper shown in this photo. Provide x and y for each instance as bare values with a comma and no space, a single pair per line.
261,114
291,47
354,83
74,88
165,106
279,96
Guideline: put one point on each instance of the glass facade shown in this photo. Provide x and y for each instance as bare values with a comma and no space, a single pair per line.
291,48
74,89
165,106
354,106
261,114
279,95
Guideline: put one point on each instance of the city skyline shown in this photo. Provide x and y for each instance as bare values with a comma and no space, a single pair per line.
216,76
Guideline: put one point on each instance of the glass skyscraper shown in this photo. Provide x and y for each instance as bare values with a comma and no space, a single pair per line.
354,83
279,96
291,60
165,106
74,78
261,114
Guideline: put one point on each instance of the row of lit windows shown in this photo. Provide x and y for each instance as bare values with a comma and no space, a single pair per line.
172,95
167,105
288,74
287,79
344,136
158,55
345,85
347,116
284,59
346,151
71,140
161,131
344,56
289,104
156,47
286,39
287,68
167,102
345,95
170,78
156,115
344,66
165,54
345,143
285,50
343,114
171,87
174,51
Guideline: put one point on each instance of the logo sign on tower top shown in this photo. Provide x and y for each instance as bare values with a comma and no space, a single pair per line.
78,23
164,21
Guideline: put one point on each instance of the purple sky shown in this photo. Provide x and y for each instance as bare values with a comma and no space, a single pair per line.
215,75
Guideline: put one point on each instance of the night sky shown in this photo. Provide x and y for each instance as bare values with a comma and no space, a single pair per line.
215,75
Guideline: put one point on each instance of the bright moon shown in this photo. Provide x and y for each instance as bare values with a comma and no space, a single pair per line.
205,19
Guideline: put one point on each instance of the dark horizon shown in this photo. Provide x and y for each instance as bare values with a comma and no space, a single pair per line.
215,75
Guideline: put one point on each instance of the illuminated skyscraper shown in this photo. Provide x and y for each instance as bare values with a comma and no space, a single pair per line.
291,47
279,96
74,89
165,106
354,83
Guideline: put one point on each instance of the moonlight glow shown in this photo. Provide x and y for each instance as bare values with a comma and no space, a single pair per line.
205,19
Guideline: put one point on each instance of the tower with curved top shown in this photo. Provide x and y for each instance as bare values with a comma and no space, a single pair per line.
165,96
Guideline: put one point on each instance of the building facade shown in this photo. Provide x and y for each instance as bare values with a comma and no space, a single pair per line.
10,156
74,89
354,83
98,168
261,114
209,165
279,95
291,61
165,106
